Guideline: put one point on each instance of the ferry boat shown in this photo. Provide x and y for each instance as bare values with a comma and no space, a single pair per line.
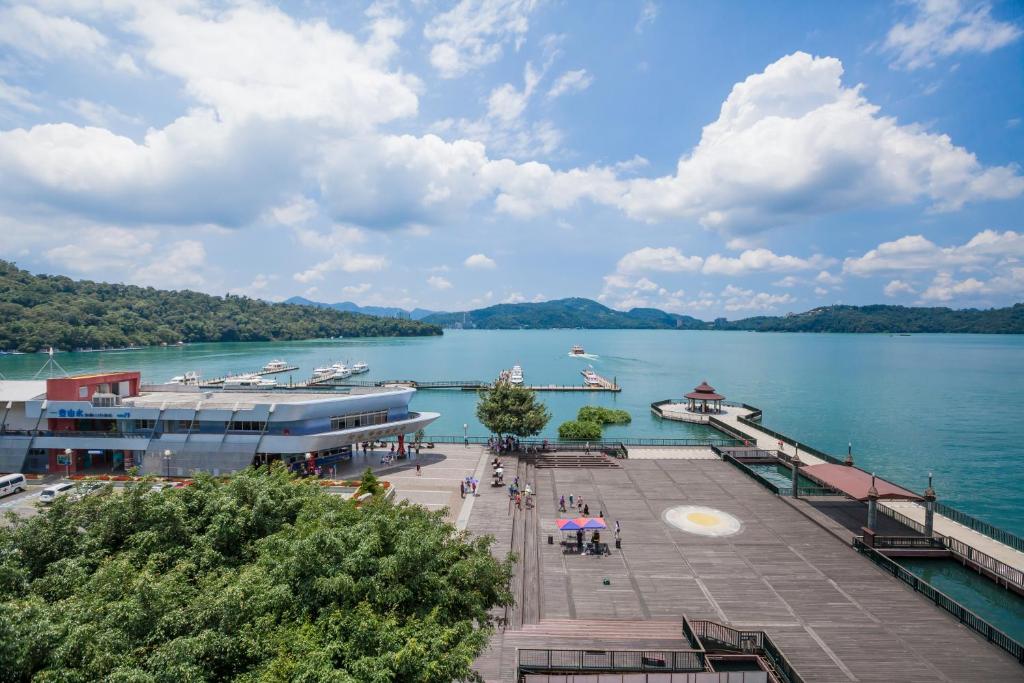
515,375
248,382
190,379
359,368
275,366
591,378
577,350
341,371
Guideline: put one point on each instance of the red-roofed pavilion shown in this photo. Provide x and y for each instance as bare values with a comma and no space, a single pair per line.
704,399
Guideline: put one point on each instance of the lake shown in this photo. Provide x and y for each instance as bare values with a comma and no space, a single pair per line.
942,403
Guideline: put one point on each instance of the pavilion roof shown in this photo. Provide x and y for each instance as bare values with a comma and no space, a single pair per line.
705,392
855,482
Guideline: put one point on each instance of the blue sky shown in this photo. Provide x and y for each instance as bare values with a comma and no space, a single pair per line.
705,158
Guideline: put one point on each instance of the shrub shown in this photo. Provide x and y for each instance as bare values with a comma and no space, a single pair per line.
604,416
579,430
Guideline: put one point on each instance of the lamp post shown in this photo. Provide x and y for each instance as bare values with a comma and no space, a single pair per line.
465,434
168,454
67,463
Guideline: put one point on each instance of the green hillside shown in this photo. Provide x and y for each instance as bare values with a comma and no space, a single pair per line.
37,311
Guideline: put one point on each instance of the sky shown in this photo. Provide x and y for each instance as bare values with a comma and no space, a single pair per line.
706,158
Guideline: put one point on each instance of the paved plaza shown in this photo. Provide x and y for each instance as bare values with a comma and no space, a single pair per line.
832,612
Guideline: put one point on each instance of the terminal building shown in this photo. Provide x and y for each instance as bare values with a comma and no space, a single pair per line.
110,422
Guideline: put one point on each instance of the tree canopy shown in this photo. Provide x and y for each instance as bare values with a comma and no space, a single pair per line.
603,416
37,311
511,409
579,430
260,577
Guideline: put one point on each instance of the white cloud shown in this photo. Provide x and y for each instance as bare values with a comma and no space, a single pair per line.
737,299
43,36
916,253
788,282
257,288
664,259
897,287
945,288
827,278
757,260
438,282
571,81
355,290
648,13
820,291
101,249
17,98
296,211
479,261
514,298
941,28
347,262
102,115
179,265
473,32
793,141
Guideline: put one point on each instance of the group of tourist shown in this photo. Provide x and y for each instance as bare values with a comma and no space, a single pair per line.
582,508
468,485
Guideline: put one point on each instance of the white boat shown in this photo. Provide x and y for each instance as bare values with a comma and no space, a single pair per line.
577,350
190,378
591,378
248,382
327,370
515,375
275,366
359,368
341,371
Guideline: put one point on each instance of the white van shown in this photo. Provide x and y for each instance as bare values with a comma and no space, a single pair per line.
12,483
52,493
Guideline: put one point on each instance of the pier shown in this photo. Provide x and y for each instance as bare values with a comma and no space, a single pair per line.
219,381
462,385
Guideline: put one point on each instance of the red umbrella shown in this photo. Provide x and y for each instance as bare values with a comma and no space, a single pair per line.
568,524
591,523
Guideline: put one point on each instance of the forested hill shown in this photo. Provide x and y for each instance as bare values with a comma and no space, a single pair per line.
37,311
584,313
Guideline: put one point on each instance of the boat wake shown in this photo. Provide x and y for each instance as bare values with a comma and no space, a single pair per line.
588,356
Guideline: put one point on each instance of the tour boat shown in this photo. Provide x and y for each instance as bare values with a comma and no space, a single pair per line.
359,368
248,382
327,370
275,366
190,378
577,350
591,378
341,371
515,375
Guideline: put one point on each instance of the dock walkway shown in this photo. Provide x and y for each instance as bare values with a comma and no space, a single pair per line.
942,524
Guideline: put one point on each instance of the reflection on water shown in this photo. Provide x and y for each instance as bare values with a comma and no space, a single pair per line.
998,606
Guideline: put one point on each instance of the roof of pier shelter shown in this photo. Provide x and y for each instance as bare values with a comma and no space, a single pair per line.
855,482
705,392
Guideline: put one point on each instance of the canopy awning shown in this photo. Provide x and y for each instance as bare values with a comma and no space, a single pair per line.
855,482
591,522
568,525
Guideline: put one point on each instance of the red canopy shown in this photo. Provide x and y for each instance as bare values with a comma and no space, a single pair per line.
591,522
568,525
855,482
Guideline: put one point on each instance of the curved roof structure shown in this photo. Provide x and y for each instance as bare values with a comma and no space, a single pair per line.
855,482
705,392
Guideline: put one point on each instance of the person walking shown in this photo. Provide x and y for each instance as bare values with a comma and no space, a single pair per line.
587,448
586,510
618,530
571,504
417,469
462,489
474,487
561,504
519,501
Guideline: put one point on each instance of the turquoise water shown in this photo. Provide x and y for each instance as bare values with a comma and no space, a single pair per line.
943,403
998,606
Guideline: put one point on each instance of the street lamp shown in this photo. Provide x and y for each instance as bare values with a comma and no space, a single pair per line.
67,463
465,434
168,454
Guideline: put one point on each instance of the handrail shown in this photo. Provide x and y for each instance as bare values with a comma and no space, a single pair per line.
901,518
768,484
554,443
997,567
984,528
907,542
757,642
667,661
740,435
961,613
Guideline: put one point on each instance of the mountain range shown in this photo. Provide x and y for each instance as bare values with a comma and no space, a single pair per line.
588,314
383,311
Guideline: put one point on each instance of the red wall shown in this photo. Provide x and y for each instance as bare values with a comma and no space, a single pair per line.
66,388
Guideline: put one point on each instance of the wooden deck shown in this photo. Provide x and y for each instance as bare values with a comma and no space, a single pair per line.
832,612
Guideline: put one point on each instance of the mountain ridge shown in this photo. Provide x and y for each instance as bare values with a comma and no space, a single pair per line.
875,318
352,307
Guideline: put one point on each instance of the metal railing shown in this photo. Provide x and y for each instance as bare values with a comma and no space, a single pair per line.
994,532
818,491
913,542
741,436
756,642
773,654
987,562
901,518
763,481
785,439
943,601
554,443
667,661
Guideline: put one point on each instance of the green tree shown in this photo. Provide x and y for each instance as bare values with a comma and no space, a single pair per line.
603,416
260,577
510,409
369,484
579,430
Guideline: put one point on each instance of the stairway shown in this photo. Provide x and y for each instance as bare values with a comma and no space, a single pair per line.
575,459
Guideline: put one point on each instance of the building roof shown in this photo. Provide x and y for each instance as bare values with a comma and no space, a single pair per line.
240,400
855,482
705,392
22,390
